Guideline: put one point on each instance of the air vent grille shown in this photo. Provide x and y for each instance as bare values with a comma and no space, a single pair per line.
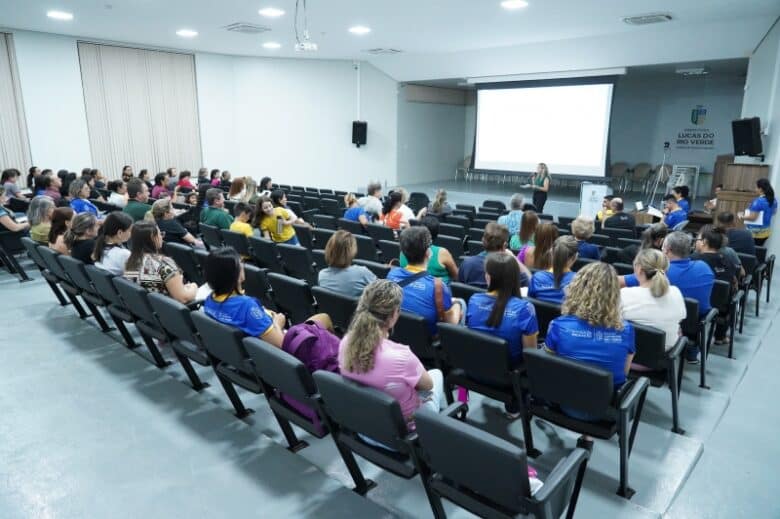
246,28
646,19
382,51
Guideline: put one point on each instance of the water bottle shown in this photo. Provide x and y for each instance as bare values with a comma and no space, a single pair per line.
279,225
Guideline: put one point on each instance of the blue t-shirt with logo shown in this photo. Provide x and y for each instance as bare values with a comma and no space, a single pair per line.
675,217
519,319
588,250
762,204
694,278
420,296
684,205
574,338
81,205
542,286
242,312
354,213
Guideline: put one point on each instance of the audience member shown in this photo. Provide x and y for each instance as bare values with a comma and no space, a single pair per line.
582,228
680,194
606,209
438,207
160,189
523,240
173,179
215,213
652,238
110,253
440,262
550,285
275,223
215,179
540,256
118,195
741,240
60,223
279,199
250,194
619,219
675,215
392,215
203,176
406,211
367,356
32,177
7,218
138,196
225,181
266,184
39,218
51,185
152,270
494,239
709,246
79,192
227,303
243,214
170,227
144,176
342,276
354,212
372,202
80,237
712,204
184,180
514,218
9,180
758,217
654,302
127,174
237,190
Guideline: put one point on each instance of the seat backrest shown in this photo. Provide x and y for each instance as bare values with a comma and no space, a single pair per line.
280,369
568,383
650,346
297,262
380,270
412,330
466,207
330,207
318,256
266,255
617,232
32,250
721,294
366,249
390,250
75,270
581,262
223,342
211,236
185,258
480,355
49,257
610,254
761,254
602,240
690,325
480,223
321,237
749,262
380,232
312,202
292,296
452,229
475,247
458,220
325,221
303,232
103,281
256,285
464,291
625,242
339,307
495,204
136,300
475,234
380,415
565,221
623,269
545,313
451,243
479,453
237,240
175,317
348,225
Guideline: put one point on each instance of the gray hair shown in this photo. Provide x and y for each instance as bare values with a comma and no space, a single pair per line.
678,244
516,202
38,211
76,186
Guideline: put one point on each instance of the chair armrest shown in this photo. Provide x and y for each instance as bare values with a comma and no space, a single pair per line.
736,298
712,314
454,408
746,281
678,347
563,471
630,399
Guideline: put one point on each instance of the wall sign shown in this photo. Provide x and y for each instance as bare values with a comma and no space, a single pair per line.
696,137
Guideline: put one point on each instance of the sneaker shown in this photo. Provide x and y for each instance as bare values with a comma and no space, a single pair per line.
582,443
692,355
511,416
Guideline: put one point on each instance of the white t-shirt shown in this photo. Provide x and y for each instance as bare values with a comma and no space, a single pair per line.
116,199
638,305
406,213
114,259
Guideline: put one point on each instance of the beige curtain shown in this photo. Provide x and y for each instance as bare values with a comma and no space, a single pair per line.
141,108
14,143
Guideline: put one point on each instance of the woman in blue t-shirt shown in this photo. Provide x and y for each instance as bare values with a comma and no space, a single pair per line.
354,212
227,304
501,311
549,285
79,191
766,203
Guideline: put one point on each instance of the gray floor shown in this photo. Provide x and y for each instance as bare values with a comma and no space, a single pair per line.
90,429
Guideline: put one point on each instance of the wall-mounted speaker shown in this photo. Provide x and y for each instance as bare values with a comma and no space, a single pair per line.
747,136
359,132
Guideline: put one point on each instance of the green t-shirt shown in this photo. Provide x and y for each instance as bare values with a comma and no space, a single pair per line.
137,210
216,217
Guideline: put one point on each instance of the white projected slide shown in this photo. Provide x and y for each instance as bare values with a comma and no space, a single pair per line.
565,127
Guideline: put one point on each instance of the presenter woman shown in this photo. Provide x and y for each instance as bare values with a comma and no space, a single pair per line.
540,181
758,217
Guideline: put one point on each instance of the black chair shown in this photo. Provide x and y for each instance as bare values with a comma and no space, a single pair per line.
486,214
475,247
136,301
185,340
617,232
451,243
457,231
318,255
412,330
256,285
49,257
391,250
555,382
293,297
495,204
626,242
238,241
212,236
417,201
480,223
298,262
458,221
610,255
303,232
325,221
666,365
321,237
51,279
761,255
754,280
565,221
339,307
581,262
17,205
602,240
545,313
727,302
330,207
380,232
312,202
225,348
546,217
623,269
380,270
89,294
355,228
10,245
366,249
312,190
103,282
462,479
282,377
699,330
464,291
468,208
185,258
474,234
265,254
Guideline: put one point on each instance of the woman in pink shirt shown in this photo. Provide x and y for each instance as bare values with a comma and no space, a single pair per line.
367,356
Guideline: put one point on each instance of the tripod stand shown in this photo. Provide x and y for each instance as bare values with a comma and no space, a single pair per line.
658,174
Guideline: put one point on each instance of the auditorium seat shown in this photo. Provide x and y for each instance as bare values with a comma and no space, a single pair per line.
10,245
366,249
297,262
104,283
305,237
380,270
355,228
256,285
318,256
185,258
49,257
212,236
455,230
338,306
136,302
89,294
545,313
581,262
451,243
326,221
602,240
293,297
265,254
495,204
321,237
697,329
380,232
475,247
412,330
464,291
468,208
475,234
459,221
51,279
238,241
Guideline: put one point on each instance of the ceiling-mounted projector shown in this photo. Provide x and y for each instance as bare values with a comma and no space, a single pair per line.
306,46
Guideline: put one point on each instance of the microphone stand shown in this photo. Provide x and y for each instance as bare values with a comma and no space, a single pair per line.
658,174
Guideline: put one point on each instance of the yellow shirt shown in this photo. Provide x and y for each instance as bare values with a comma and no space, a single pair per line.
268,224
242,227
602,215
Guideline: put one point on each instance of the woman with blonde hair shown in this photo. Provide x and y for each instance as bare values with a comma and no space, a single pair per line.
438,207
354,211
250,196
540,255
39,216
540,182
654,302
368,356
407,212
582,228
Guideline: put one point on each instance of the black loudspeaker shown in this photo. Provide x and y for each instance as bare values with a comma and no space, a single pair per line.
747,136
359,132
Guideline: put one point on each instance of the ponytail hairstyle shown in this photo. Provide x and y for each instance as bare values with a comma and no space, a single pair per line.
564,252
381,299
652,234
653,263
439,200
504,273
349,199
528,225
116,221
82,223
59,222
546,234
764,185
393,201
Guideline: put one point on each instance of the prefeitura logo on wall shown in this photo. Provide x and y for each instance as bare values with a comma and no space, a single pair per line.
696,138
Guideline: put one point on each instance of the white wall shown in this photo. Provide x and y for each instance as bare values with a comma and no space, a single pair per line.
292,120
50,79
430,140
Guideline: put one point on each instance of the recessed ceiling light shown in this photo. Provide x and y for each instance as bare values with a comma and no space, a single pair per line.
60,15
271,12
186,33
514,4
360,30
272,45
